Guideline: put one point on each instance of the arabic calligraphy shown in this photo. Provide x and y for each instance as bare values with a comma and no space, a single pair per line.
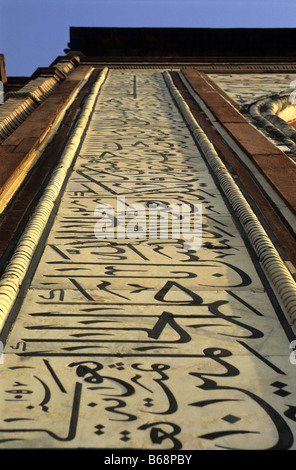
140,343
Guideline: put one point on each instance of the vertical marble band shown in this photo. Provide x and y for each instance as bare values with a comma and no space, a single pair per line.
274,267
16,269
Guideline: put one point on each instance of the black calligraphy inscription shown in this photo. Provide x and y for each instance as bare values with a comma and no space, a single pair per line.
128,340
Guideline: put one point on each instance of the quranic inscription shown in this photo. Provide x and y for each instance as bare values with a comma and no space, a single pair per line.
135,341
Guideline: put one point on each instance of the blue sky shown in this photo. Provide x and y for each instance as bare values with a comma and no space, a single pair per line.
34,32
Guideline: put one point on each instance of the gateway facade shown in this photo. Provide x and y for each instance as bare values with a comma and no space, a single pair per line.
137,342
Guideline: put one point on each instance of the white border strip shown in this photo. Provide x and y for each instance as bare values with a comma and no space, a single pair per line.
280,204
274,267
16,270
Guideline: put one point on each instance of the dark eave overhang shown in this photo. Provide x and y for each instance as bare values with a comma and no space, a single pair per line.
175,45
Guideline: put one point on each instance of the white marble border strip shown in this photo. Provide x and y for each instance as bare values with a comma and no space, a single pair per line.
16,270
274,267
276,199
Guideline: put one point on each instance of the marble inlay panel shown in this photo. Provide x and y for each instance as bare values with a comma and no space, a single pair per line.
138,342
